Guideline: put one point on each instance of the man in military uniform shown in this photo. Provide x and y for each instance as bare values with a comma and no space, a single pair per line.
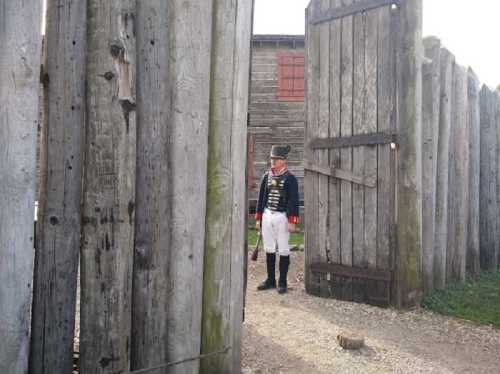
277,214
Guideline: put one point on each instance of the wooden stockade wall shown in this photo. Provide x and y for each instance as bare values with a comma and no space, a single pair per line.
460,171
386,225
143,161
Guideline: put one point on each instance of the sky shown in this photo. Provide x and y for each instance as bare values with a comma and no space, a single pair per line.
470,29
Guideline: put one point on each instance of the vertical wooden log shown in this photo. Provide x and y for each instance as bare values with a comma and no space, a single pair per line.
153,215
311,131
458,183
190,43
495,115
323,132
347,68
333,235
225,239
239,252
358,161
20,41
386,83
109,188
408,208
488,204
473,264
430,134
58,242
447,60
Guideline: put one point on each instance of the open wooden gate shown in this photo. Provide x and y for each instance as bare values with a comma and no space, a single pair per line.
360,77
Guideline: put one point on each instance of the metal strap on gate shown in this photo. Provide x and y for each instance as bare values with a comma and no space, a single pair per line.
362,6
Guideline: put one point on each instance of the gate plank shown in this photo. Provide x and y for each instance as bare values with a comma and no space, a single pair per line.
323,132
346,153
358,161
311,179
430,128
370,155
58,241
447,60
473,264
333,237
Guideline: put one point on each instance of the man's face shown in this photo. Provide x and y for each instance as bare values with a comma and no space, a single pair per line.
277,163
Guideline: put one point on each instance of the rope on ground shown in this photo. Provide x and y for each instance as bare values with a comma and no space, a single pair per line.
173,363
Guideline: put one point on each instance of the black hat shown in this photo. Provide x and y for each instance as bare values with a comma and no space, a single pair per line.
280,151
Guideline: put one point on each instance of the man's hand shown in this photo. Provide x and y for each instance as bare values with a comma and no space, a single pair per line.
257,225
291,227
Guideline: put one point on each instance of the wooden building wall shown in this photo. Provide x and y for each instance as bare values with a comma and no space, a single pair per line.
272,121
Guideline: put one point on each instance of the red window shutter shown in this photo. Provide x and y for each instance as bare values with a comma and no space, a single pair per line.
291,77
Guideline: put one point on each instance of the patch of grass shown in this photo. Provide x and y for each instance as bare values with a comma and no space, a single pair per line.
476,300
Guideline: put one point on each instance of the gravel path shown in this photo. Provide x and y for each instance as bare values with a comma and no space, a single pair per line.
296,333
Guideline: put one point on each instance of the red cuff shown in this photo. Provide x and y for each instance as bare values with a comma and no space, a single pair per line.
293,219
258,216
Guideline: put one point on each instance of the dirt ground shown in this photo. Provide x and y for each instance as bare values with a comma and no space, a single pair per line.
296,333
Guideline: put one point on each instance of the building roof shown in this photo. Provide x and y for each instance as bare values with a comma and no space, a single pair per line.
288,40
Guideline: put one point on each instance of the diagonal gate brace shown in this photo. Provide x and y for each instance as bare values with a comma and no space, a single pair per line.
340,174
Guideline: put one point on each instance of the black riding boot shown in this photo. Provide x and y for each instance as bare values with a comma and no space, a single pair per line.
284,265
270,282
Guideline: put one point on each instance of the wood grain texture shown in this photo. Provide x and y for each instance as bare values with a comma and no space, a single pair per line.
473,265
488,204
190,90
458,183
408,207
225,239
442,168
334,197
19,97
323,99
109,188
358,161
153,202
311,179
386,82
58,238
346,129
430,134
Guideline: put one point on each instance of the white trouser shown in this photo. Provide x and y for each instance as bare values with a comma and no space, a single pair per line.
275,232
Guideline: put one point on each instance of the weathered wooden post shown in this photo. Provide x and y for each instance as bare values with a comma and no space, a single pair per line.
458,183
109,188
447,60
149,343
20,42
225,218
488,203
408,190
430,135
58,243
473,264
